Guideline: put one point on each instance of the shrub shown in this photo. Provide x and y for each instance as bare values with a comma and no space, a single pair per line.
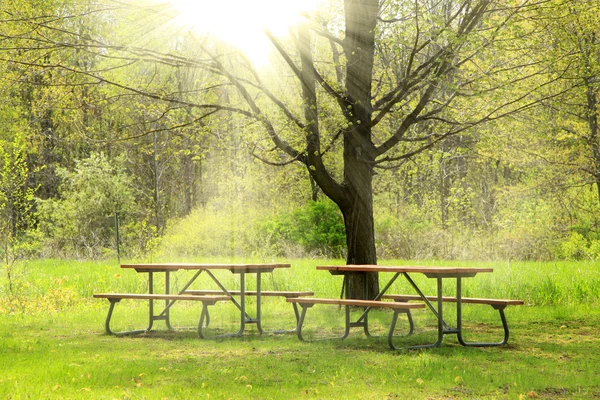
578,247
318,228
575,248
211,232
77,224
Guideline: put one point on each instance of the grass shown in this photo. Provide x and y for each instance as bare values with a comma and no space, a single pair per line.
52,344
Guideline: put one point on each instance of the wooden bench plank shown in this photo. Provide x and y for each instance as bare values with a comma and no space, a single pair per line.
355,303
159,296
397,307
266,293
466,300
114,298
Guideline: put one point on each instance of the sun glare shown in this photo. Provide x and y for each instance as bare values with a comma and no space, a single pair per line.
242,22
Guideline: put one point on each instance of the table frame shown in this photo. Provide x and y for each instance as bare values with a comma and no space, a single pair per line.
438,273
241,269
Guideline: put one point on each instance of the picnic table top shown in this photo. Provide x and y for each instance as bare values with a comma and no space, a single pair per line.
431,272
235,268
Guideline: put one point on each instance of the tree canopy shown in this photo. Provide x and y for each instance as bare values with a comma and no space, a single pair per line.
422,121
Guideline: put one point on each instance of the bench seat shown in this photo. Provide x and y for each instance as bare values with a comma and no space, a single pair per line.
265,293
397,307
353,303
157,296
114,298
496,304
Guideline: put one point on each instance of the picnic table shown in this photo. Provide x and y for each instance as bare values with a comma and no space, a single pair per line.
440,274
207,297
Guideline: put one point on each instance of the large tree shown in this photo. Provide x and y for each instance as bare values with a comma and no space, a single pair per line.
372,84
400,78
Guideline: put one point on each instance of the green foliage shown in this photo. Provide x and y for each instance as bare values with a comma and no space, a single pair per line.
499,190
408,236
318,228
17,237
578,247
211,232
16,198
81,222
581,238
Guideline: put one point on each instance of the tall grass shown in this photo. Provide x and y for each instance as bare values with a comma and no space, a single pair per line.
52,344
537,283
45,285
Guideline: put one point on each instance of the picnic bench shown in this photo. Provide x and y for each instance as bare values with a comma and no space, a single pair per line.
396,307
496,304
114,298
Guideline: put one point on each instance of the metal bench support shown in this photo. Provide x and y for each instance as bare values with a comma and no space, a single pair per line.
362,322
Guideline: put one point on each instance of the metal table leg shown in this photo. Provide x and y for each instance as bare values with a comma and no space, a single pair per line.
258,303
150,302
442,326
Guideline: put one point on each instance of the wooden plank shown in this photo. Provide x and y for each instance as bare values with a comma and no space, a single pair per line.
353,302
158,296
265,293
231,267
428,271
471,300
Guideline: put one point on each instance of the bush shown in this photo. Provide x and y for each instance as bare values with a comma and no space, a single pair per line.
573,249
579,247
317,228
77,224
211,232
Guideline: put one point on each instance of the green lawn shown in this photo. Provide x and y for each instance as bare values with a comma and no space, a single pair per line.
52,344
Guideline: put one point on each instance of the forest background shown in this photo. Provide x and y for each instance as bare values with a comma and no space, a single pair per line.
101,116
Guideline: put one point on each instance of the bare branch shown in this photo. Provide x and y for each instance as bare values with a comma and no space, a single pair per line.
257,112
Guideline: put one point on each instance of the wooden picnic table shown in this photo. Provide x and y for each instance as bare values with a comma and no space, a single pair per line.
440,274
241,269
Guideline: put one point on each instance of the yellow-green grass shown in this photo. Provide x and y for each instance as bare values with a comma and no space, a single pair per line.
52,343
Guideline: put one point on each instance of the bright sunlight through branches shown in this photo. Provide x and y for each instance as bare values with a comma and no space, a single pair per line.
242,23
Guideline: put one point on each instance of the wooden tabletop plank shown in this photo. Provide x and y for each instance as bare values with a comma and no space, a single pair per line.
236,268
428,271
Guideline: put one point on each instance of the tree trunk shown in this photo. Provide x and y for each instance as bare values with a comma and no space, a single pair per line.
592,109
360,232
354,196
359,151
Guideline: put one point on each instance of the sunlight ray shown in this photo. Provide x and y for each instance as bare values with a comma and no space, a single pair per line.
242,23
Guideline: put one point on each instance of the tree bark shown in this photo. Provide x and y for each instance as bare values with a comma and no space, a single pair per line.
359,151
354,195
357,210
592,109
